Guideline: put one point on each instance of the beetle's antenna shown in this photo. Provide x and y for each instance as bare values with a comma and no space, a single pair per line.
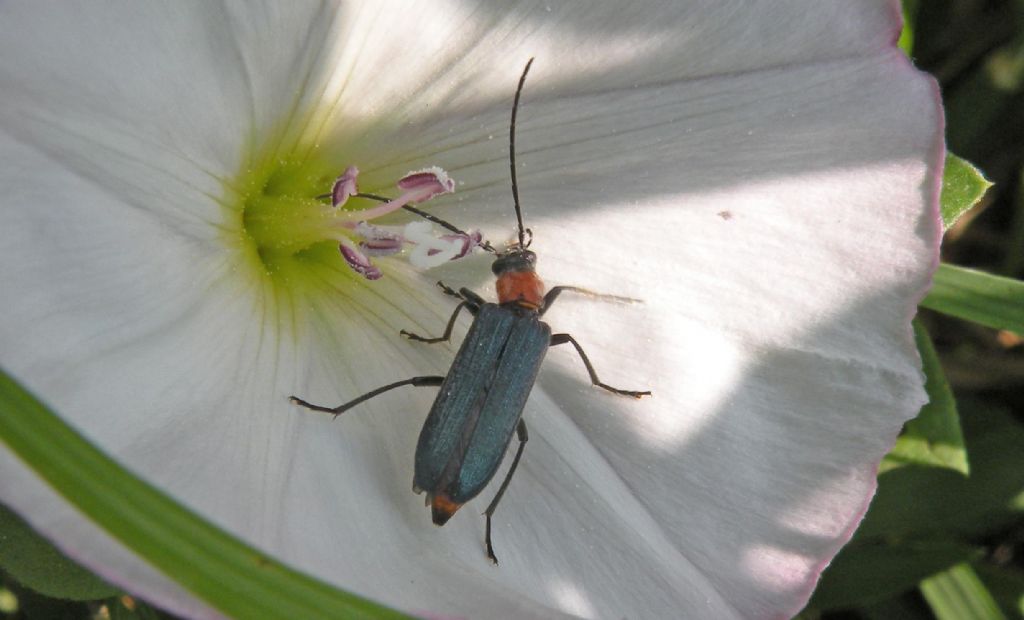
512,155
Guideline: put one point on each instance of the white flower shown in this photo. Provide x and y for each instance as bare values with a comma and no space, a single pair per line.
764,176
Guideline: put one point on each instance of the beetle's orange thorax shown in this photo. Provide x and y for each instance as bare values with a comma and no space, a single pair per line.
522,287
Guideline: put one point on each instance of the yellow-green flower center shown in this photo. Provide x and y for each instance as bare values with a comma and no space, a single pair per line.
279,223
280,208
284,229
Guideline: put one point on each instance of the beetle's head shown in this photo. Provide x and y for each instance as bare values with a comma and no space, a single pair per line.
518,281
515,259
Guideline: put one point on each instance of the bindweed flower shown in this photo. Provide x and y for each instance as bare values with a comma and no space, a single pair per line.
764,177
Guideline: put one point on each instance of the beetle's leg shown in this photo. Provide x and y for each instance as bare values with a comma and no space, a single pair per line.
474,300
523,438
415,381
470,301
558,290
448,290
447,330
557,339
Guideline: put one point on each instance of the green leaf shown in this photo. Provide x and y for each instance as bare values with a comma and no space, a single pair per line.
138,611
8,600
901,607
906,42
978,297
922,517
216,567
23,603
958,594
868,574
934,437
1017,503
1006,585
37,564
919,502
963,186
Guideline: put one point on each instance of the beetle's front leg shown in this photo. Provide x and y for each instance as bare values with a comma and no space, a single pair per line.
447,290
475,301
470,301
447,330
429,381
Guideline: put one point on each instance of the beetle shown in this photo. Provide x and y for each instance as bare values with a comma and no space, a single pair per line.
480,404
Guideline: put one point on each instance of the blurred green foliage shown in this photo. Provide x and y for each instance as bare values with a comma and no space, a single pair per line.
218,568
933,438
36,563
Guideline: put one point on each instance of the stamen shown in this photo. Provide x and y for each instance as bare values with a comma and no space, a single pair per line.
344,186
429,182
468,241
359,262
431,251
377,240
417,186
339,223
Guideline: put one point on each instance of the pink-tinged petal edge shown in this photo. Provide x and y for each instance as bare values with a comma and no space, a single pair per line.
937,163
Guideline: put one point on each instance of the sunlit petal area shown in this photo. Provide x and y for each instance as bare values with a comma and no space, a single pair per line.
183,247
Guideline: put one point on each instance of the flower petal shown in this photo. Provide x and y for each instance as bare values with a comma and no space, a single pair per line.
775,340
464,49
775,329
93,319
170,97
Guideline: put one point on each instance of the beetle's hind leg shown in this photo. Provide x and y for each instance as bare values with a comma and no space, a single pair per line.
523,438
557,339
